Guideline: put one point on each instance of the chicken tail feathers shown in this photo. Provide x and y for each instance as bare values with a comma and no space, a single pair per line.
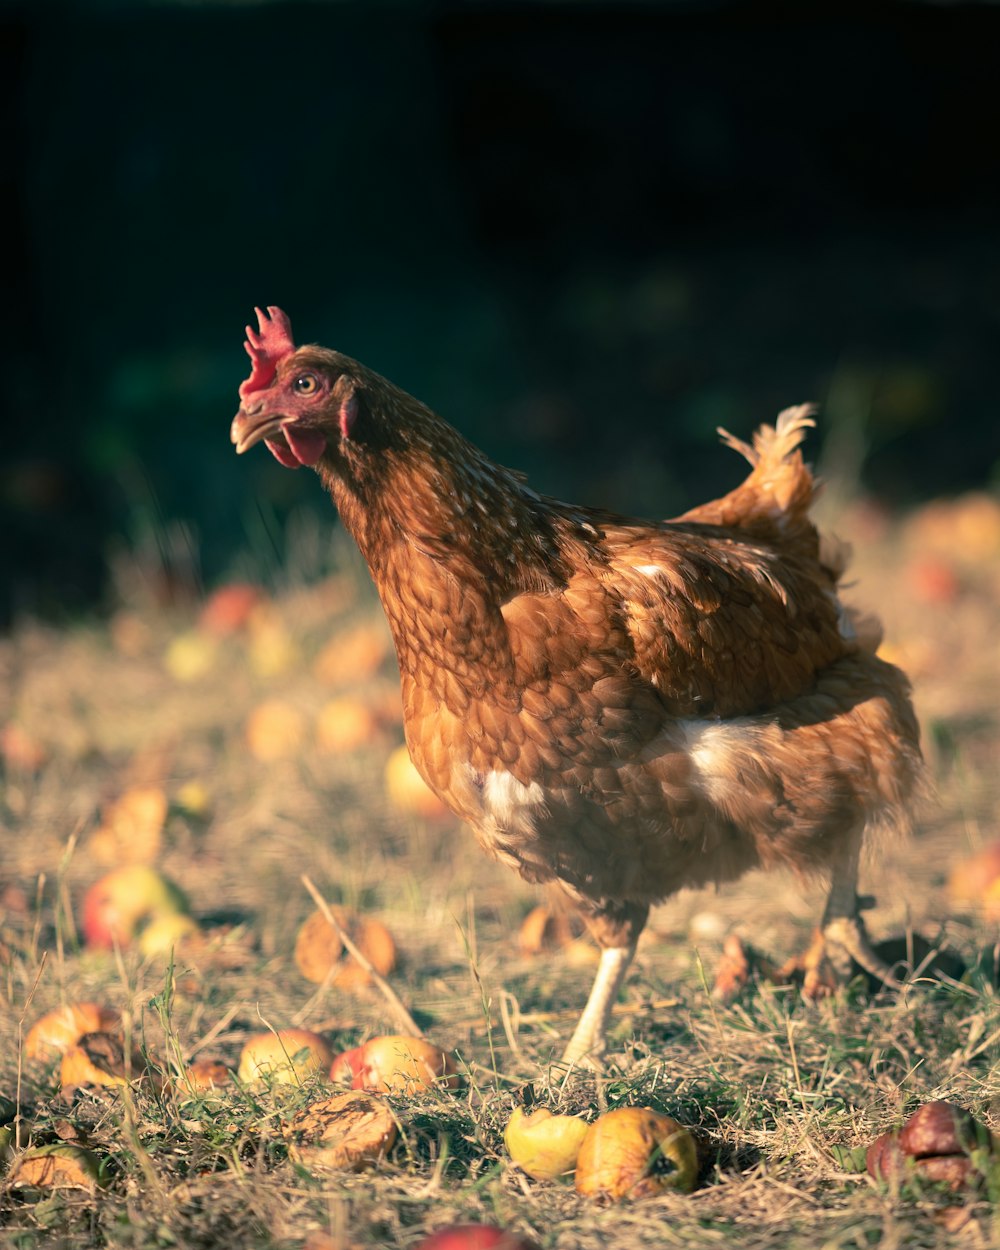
779,488
774,444
780,477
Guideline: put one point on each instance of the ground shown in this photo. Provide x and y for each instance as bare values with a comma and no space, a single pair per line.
782,1092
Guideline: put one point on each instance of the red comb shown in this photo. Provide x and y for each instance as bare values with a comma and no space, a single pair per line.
266,348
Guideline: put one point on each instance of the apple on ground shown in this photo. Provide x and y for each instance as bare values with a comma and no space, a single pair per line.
940,1142
395,1065
344,725
59,1165
119,904
543,1145
101,1059
972,878
55,1032
203,1075
288,1057
131,827
164,933
351,1131
275,731
407,790
635,1152
475,1237
319,952
228,608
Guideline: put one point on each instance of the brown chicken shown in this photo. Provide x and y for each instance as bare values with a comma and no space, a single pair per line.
623,707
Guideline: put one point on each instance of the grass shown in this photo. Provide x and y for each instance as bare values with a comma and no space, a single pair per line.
781,1092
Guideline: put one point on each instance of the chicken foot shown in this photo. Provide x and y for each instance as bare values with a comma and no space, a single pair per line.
842,930
838,946
616,928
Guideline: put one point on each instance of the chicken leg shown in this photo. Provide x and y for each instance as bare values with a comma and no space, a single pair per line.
616,928
843,929
838,946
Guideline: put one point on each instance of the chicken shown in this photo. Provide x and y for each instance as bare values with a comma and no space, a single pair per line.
619,706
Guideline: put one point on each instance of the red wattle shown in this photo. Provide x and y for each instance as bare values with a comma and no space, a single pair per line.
307,445
282,453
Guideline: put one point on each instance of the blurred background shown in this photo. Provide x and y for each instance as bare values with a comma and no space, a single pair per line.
585,233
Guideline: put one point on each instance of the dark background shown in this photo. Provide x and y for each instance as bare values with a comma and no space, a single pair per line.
586,233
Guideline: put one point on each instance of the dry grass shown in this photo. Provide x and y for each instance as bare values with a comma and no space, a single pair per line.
781,1091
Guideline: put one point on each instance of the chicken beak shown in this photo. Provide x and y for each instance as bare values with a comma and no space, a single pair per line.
253,426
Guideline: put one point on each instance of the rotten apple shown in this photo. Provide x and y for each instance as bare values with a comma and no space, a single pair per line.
635,1152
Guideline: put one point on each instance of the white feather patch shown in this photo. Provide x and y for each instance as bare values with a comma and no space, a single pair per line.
720,751
509,802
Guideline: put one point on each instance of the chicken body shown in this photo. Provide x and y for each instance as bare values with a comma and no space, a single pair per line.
623,707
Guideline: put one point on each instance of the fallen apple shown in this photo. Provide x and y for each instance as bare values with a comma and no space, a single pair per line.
351,1130
101,1059
940,1128
319,952
884,1159
131,828
194,800
228,608
164,933
318,946
353,656
275,731
115,907
206,1074
972,879
345,725
191,656
395,1065
55,1032
272,651
543,1145
939,1142
932,579
475,1237
288,1057
635,1152
59,1165
547,928
407,790
20,750
378,946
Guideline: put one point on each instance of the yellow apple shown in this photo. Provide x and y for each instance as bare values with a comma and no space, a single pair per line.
542,1144
287,1057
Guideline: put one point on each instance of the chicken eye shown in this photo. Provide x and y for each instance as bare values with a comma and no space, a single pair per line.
306,384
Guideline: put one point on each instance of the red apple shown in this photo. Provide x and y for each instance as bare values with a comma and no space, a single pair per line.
227,609
395,1065
475,1237
117,906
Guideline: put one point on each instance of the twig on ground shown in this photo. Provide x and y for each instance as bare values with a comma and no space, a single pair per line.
395,1003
